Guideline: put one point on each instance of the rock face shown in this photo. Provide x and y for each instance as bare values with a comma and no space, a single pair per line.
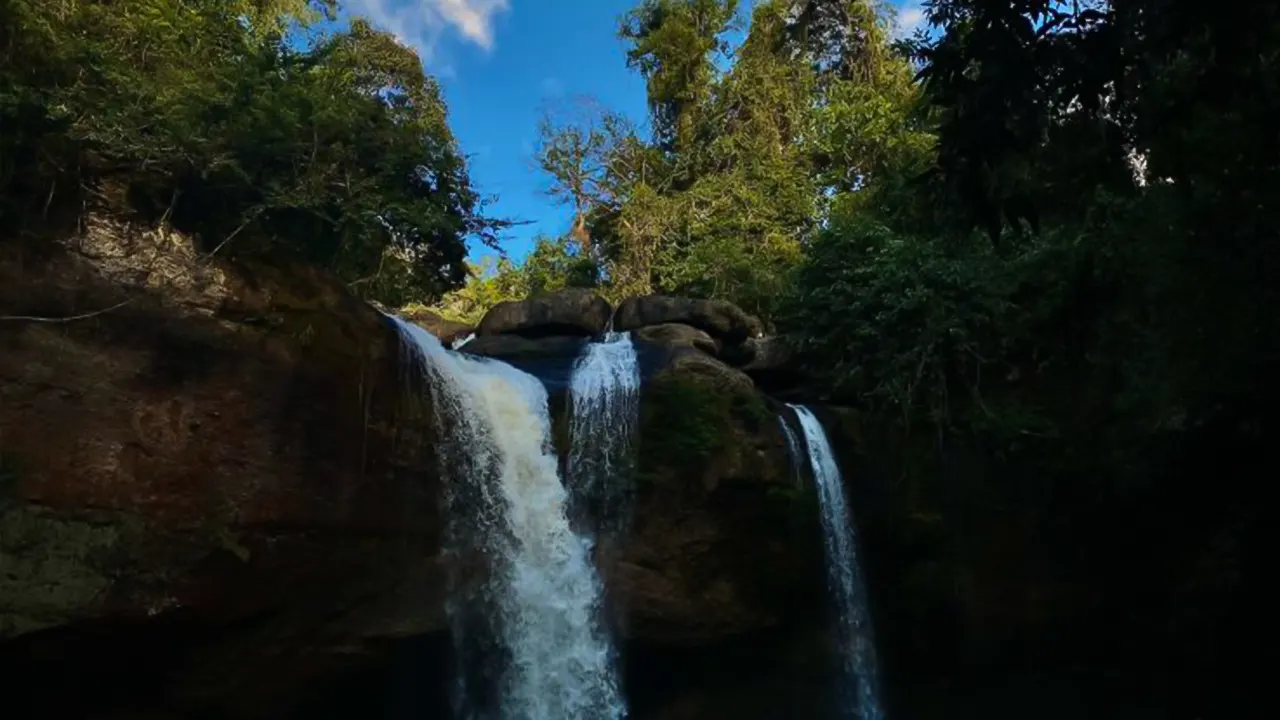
514,347
219,498
567,312
216,489
722,320
676,335
218,458
725,540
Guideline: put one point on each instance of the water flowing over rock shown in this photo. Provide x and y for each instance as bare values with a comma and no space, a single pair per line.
507,503
861,691
224,496
566,312
605,394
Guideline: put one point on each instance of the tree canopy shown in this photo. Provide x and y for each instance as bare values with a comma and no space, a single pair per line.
751,148
232,122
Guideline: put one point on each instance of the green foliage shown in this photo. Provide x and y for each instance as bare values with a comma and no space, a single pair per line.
552,265
753,147
492,280
558,264
1136,305
674,44
219,119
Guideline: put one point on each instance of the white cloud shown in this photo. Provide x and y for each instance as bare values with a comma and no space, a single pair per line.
421,24
473,17
910,17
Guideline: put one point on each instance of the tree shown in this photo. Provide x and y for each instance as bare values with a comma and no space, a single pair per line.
674,44
576,149
205,115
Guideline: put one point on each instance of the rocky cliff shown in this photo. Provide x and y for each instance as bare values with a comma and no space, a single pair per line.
219,497
201,461
217,493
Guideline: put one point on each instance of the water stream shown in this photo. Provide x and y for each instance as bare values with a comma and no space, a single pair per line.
860,687
605,394
535,612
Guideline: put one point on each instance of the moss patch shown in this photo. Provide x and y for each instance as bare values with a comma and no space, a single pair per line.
55,569
683,422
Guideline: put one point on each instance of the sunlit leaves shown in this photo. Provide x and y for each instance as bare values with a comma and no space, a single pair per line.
334,148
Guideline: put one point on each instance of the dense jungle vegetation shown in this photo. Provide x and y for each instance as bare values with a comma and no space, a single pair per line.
1049,223
244,124
1026,189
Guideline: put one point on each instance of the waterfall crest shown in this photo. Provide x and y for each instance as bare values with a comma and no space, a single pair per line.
860,687
507,508
605,394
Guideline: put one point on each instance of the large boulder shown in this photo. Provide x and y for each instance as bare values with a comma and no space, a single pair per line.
566,312
725,539
670,336
721,319
515,347
769,354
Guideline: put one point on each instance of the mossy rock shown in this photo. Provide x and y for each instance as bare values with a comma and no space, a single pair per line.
57,568
688,419
683,422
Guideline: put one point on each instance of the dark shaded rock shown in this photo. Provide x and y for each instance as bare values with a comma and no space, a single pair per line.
675,335
769,354
776,370
515,347
220,492
566,312
693,363
723,541
722,320
788,672
446,330
225,462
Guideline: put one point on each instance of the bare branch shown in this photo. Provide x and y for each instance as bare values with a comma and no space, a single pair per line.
85,316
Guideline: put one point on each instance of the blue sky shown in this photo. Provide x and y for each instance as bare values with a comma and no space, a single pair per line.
502,63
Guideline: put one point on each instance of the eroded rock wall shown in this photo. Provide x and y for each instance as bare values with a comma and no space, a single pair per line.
219,450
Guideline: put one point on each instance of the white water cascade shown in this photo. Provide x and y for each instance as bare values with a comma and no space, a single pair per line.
860,689
459,343
605,394
506,504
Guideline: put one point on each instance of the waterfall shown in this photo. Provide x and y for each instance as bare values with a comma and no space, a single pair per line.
860,683
794,448
605,394
507,508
